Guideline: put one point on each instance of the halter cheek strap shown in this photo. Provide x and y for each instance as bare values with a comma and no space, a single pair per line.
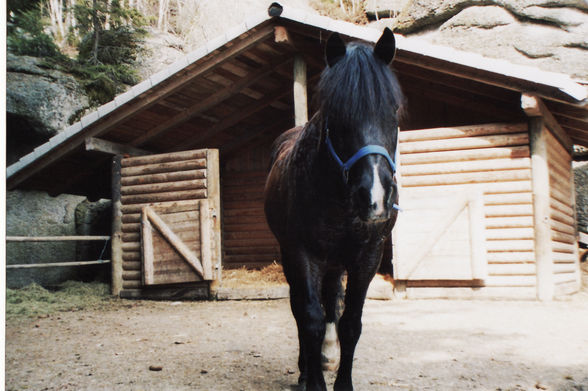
362,152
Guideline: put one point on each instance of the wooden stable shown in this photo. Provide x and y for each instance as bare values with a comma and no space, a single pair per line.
484,165
475,211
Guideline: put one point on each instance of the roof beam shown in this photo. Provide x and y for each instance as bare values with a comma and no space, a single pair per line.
112,148
234,145
239,116
475,87
499,75
459,98
533,106
211,101
235,118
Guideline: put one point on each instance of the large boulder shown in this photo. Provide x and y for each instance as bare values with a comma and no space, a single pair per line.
40,102
35,213
541,33
581,181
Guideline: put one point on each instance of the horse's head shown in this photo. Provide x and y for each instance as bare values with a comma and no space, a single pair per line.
359,98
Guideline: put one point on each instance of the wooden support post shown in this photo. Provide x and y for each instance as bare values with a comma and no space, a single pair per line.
533,106
116,242
112,148
205,240
214,206
300,91
541,209
147,249
478,237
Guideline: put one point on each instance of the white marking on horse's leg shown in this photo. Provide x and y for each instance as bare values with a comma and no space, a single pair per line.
377,193
330,349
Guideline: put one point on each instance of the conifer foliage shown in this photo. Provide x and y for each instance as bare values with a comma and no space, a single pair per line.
102,39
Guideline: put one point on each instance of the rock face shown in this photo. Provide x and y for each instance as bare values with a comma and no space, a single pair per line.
581,181
93,218
545,34
160,51
32,213
39,103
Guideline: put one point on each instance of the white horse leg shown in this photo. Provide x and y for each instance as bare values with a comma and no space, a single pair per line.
330,350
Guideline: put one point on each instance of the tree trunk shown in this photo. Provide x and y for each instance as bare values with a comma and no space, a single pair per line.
107,21
162,23
56,16
96,25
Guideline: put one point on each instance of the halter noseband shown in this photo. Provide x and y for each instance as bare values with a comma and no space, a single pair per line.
362,152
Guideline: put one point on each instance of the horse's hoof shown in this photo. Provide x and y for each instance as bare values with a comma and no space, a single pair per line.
331,350
302,381
340,386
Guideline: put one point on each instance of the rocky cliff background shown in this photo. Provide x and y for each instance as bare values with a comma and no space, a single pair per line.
42,100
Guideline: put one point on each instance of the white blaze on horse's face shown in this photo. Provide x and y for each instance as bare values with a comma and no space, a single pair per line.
377,192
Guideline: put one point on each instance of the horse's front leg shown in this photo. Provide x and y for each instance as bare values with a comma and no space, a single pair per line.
350,324
304,278
332,295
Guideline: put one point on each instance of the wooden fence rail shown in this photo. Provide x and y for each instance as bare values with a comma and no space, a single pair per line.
57,239
54,238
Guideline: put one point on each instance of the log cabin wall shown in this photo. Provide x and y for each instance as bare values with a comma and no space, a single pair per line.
495,160
562,218
173,180
247,239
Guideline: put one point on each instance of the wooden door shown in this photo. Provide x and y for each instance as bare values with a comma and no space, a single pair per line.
439,241
175,244
170,220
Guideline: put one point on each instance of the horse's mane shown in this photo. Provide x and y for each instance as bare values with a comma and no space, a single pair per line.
359,88
283,144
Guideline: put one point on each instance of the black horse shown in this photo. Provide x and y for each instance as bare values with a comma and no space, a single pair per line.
330,200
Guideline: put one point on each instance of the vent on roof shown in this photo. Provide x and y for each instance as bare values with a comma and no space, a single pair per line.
275,9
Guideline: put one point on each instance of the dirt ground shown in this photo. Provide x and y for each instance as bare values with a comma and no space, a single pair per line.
252,345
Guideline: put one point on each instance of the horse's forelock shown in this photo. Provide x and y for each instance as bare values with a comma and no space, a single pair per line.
359,88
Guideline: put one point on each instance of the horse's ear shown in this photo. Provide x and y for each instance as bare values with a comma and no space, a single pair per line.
386,46
335,49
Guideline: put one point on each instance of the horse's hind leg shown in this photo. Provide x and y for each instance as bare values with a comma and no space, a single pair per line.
306,307
332,293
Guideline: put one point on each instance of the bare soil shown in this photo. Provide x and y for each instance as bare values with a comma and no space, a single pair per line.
252,345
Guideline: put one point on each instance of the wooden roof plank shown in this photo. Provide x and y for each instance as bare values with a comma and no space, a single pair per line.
211,101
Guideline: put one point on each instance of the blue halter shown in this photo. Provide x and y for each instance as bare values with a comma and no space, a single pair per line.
364,151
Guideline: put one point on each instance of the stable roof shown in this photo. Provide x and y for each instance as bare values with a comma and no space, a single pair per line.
237,89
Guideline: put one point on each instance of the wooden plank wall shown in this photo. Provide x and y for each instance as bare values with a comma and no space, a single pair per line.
247,239
173,180
493,159
563,227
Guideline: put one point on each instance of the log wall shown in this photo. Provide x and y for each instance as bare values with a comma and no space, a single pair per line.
247,239
562,218
493,159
